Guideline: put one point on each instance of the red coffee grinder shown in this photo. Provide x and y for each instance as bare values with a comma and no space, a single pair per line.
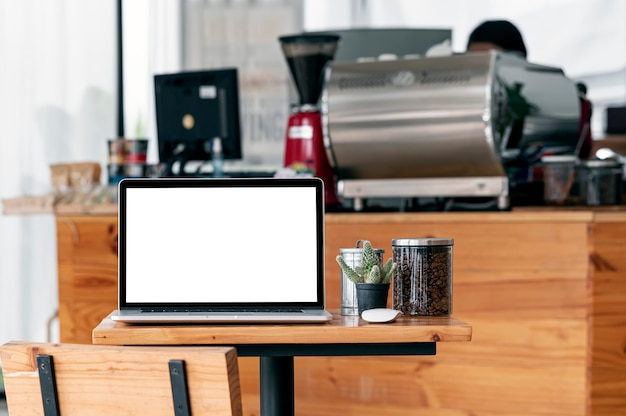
307,56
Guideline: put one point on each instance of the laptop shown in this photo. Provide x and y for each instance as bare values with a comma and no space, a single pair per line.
221,250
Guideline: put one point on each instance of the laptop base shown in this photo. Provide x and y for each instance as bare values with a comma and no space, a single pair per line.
141,317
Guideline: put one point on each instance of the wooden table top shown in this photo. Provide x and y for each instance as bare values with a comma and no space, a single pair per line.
342,329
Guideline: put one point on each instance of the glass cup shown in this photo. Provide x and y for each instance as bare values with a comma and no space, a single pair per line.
559,174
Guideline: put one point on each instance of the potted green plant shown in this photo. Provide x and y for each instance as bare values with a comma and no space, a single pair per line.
371,278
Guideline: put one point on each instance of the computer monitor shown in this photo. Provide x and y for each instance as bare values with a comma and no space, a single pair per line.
194,108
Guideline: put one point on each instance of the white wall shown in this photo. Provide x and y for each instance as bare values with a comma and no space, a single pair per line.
587,39
580,36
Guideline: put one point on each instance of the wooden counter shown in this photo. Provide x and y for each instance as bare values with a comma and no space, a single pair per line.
544,290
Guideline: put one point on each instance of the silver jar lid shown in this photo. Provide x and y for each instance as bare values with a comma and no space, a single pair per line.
421,242
359,250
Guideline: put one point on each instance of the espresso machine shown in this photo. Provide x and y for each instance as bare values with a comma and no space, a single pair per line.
307,56
468,125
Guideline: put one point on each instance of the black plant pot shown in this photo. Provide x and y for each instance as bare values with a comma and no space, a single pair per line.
371,295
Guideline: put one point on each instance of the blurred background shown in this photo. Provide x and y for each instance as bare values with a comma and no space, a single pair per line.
59,102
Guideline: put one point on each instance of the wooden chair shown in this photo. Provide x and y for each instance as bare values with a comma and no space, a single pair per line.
70,379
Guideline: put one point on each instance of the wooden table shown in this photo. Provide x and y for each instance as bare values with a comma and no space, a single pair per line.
278,344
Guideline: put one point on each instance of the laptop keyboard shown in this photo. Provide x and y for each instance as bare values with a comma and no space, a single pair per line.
222,310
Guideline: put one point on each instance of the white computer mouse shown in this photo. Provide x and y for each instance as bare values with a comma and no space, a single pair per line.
379,315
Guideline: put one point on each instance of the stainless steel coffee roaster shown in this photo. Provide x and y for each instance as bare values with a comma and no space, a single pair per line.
443,126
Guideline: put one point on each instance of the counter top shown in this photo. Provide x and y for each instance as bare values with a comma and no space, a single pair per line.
525,214
100,201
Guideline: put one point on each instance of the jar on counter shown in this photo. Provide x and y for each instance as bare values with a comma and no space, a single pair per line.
422,281
601,182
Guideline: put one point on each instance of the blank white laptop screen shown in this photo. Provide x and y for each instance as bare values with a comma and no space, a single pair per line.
221,245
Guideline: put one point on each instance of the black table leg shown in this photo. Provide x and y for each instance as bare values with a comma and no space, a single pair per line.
277,386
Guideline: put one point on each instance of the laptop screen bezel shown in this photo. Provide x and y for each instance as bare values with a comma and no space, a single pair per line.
130,183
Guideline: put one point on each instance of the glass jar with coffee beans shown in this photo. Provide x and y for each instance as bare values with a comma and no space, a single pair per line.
422,281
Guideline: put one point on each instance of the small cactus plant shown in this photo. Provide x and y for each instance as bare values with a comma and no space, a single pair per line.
370,270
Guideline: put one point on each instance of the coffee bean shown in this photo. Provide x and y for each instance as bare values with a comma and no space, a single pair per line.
422,281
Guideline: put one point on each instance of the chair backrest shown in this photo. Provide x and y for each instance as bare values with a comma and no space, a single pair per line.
109,380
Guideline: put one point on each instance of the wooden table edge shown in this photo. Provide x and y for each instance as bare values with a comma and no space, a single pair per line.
344,329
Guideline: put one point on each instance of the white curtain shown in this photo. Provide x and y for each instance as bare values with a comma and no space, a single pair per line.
57,104
152,45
